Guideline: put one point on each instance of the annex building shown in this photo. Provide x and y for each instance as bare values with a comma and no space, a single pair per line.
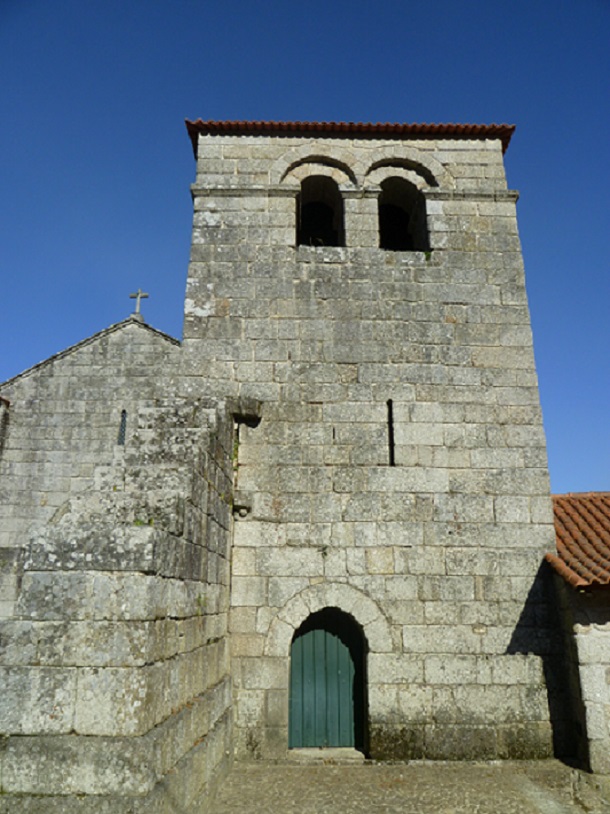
319,519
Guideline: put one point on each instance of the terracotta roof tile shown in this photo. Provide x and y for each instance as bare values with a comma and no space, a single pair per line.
582,527
351,129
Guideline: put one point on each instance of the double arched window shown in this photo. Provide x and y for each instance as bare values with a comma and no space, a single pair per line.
402,223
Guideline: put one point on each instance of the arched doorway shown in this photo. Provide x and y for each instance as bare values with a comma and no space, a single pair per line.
327,682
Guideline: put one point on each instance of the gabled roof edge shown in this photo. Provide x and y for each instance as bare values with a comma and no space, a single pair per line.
117,326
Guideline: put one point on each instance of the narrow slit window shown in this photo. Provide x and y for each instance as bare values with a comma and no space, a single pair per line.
122,429
391,448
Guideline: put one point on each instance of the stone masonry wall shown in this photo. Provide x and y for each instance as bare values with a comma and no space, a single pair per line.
116,692
64,419
586,617
434,548
343,427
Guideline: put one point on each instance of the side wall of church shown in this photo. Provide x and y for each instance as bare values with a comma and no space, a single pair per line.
586,617
64,420
114,660
399,471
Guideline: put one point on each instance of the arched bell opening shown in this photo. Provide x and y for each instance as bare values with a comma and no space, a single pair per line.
328,697
402,217
320,213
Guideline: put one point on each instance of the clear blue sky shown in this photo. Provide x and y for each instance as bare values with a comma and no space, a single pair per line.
96,164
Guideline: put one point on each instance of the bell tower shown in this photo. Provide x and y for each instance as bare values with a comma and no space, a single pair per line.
365,284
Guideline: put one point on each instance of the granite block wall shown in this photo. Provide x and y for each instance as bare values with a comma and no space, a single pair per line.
64,420
115,672
401,453
346,430
586,620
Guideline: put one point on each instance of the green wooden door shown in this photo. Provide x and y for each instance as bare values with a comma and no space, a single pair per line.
321,691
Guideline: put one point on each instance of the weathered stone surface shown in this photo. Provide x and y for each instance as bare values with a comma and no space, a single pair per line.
348,433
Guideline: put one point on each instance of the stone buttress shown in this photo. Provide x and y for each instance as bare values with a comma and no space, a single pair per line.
114,568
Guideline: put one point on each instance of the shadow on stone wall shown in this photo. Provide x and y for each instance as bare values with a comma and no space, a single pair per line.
544,630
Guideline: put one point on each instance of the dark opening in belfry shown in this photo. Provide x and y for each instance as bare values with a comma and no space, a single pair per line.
320,213
402,217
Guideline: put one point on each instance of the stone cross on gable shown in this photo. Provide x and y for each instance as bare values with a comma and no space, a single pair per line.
138,296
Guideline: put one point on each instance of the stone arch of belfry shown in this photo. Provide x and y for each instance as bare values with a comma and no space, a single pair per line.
350,600
413,159
315,166
376,176
358,168
333,156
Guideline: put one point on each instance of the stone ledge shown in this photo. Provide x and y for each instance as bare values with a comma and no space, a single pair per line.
330,756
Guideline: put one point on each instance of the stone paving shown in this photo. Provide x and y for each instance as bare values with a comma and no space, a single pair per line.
546,787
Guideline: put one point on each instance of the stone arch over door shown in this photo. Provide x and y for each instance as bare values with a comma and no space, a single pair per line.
357,604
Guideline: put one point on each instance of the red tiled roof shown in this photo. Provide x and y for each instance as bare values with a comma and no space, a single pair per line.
351,129
582,526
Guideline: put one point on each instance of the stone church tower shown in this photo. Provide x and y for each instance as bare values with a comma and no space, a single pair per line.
365,285
320,519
